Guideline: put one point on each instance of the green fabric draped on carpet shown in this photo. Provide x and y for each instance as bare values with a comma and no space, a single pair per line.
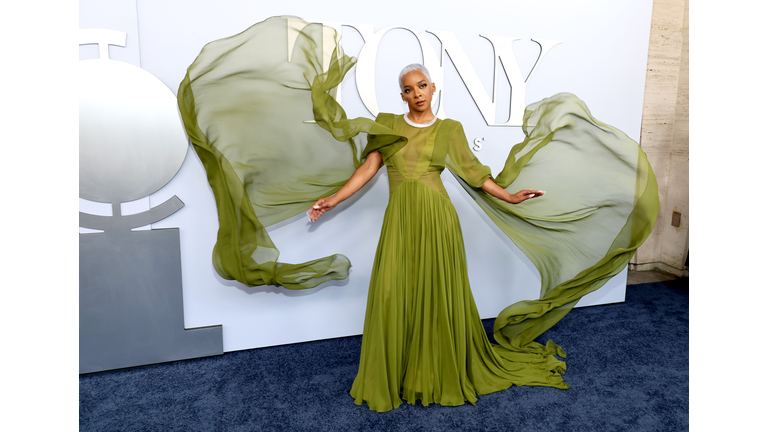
245,102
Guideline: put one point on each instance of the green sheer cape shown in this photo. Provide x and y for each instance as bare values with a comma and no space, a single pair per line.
245,102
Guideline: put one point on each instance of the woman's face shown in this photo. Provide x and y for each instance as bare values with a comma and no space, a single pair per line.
417,91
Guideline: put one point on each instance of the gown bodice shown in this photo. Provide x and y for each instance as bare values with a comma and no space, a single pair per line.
414,161
423,157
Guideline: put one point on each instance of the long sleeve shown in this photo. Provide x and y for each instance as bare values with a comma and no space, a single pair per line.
462,161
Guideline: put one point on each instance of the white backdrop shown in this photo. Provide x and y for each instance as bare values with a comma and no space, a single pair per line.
602,59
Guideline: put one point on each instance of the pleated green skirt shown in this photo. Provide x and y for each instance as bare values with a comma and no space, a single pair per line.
423,338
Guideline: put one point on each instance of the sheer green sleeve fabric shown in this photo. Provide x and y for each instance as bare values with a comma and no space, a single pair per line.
601,204
461,159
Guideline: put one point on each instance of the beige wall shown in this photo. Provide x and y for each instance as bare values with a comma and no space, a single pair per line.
664,135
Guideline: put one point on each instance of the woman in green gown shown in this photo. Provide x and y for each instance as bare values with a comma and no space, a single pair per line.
423,338
246,101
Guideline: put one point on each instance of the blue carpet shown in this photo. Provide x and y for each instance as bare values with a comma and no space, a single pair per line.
627,367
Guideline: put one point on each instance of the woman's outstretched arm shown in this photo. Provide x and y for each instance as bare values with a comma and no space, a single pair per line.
497,191
362,175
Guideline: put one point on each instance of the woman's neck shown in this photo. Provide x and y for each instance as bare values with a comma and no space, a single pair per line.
420,117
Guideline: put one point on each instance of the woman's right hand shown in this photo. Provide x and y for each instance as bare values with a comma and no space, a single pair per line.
319,207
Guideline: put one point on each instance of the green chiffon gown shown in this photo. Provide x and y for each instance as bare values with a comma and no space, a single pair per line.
423,338
259,110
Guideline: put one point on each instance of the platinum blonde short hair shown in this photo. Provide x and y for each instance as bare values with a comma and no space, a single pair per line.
410,68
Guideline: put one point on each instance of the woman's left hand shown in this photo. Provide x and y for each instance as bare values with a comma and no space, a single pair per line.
523,195
497,191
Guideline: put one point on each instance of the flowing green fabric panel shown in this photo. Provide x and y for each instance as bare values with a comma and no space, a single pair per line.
245,107
601,204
